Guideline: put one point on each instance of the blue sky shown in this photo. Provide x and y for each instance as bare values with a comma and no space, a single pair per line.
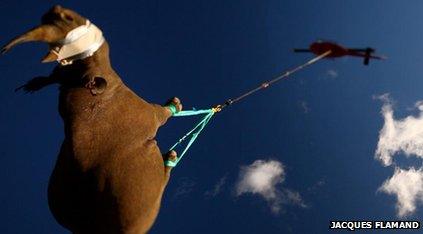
323,128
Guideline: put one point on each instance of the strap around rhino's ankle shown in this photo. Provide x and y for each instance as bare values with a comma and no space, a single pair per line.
170,163
172,108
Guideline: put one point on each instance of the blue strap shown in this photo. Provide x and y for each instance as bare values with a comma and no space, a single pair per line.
193,133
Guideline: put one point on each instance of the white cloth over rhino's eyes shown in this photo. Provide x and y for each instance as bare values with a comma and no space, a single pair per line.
76,33
80,43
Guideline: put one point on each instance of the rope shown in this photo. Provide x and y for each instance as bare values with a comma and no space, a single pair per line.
270,82
193,134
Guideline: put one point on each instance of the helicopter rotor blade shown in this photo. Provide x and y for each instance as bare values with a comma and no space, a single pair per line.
302,51
362,49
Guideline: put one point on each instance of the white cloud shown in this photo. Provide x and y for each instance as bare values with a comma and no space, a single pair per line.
399,135
402,136
294,198
332,73
407,186
316,186
262,178
185,186
305,107
217,187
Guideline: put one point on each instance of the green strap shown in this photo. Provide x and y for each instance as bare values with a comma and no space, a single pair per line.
193,134
172,108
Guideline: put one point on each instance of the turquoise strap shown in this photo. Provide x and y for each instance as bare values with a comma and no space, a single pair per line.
170,163
193,134
192,112
172,108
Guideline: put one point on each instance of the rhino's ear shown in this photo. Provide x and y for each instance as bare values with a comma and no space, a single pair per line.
49,57
66,16
96,85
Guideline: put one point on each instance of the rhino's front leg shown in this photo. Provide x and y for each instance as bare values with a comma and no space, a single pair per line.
37,83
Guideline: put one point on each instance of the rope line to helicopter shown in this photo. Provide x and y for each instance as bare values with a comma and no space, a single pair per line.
208,113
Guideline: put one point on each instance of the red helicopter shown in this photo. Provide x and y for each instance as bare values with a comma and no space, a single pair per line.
320,47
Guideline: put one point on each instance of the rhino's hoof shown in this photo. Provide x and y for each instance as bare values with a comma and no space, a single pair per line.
171,156
176,102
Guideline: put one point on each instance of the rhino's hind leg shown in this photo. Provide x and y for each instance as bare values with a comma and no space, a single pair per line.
163,113
175,102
